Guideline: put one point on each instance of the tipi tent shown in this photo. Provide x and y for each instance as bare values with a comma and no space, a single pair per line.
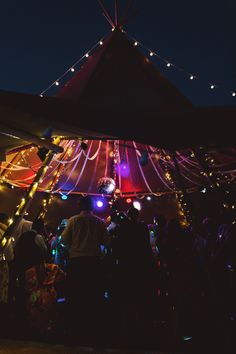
132,120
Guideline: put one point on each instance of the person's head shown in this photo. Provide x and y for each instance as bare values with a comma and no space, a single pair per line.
86,204
38,225
160,221
3,218
133,214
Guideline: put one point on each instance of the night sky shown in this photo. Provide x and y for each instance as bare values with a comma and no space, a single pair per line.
41,39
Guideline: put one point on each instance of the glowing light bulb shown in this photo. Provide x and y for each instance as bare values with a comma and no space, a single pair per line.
101,42
41,95
149,197
168,64
137,205
191,77
212,87
99,204
151,54
87,55
135,43
57,83
72,70
233,94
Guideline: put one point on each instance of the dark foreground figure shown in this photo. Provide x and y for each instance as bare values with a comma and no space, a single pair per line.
179,298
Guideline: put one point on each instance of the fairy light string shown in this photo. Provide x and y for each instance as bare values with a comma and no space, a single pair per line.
170,65
73,68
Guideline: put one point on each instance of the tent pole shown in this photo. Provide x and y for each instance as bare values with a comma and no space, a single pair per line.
116,13
30,138
26,201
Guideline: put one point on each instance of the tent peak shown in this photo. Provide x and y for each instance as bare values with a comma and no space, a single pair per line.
119,20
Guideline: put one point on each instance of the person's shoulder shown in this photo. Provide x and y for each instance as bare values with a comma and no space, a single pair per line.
74,218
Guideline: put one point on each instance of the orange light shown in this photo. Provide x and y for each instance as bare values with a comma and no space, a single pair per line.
128,200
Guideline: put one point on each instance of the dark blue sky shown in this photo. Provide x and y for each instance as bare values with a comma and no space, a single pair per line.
40,39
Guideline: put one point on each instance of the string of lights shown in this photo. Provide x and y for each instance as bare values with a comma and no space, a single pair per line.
72,68
170,65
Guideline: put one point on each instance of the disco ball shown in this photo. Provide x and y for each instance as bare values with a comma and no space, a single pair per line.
106,185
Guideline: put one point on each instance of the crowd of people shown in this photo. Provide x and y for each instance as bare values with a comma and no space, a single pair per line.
147,277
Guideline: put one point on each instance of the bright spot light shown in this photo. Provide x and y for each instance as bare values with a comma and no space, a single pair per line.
99,204
72,69
137,205
168,64
101,42
64,197
212,87
57,83
203,190
87,55
191,77
233,94
149,197
135,43
128,200
151,54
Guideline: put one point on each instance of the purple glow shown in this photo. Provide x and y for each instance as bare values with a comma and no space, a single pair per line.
123,169
100,204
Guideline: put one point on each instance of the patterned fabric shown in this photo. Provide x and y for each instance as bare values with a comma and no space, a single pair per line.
42,296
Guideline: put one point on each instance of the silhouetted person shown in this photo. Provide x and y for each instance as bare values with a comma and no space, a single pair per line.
84,235
135,269
30,251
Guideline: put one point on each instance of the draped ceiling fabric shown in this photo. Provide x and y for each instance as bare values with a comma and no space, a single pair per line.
116,94
78,171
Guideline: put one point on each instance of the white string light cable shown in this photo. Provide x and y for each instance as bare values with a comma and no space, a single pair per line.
181,161
81,171
72,68
170,64
94,156
72,170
